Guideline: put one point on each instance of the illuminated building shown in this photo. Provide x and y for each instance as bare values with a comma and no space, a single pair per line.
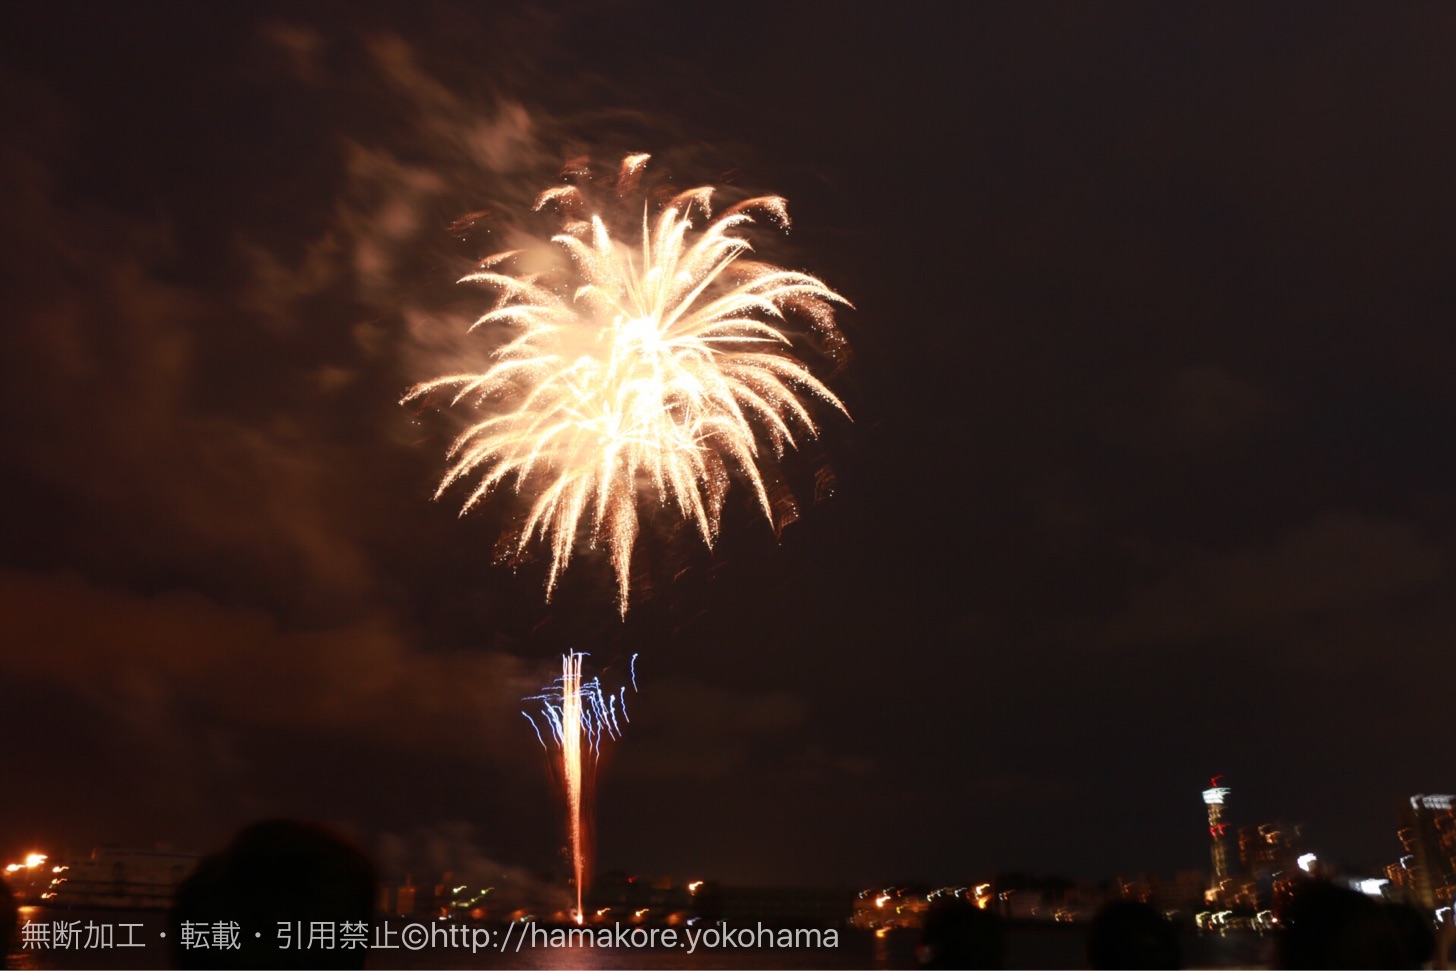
1213,798
1185,893
1268,850
619,894
1426,873
1269,863
891,907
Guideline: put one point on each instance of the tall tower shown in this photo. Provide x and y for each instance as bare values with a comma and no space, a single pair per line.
1428,835
1213,798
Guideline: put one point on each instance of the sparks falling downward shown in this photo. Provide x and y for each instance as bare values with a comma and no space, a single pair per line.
637,372
579,713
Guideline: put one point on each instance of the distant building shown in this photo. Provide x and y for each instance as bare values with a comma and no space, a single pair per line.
1214,798
789,906
1268,860
617,896
130,879
892,907
1426,873
1184,894
1024,905
397,899
1268,850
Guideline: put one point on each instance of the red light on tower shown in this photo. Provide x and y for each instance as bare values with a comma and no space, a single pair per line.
1213,798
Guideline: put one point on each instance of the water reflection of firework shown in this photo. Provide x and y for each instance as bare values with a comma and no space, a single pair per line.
652,371
579,714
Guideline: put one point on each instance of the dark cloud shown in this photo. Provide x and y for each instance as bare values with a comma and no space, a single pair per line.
1197,413
702,732
1337,564
164,660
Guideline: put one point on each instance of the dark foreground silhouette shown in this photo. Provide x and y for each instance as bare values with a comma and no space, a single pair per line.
1326,926
960,935
273,873
1132,934
9,916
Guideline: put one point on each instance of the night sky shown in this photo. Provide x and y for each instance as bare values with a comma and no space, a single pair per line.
1150,474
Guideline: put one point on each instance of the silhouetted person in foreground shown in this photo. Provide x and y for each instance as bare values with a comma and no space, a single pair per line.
9,915
1417,936
272,873
1132,934
1445,938
1325,926
960,935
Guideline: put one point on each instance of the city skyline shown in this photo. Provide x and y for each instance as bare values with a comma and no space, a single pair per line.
1147,476
1272,860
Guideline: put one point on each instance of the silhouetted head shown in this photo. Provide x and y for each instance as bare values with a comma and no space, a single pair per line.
1132,934
959,935
272,873
9,914
1325,926
1417,935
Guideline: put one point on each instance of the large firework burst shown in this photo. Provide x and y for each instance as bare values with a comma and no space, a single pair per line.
646,371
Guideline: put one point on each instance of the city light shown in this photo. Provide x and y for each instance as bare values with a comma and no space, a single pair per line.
1438,802
1373,887
32,861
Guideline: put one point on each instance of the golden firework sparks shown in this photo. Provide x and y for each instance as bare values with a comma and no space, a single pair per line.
644,372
